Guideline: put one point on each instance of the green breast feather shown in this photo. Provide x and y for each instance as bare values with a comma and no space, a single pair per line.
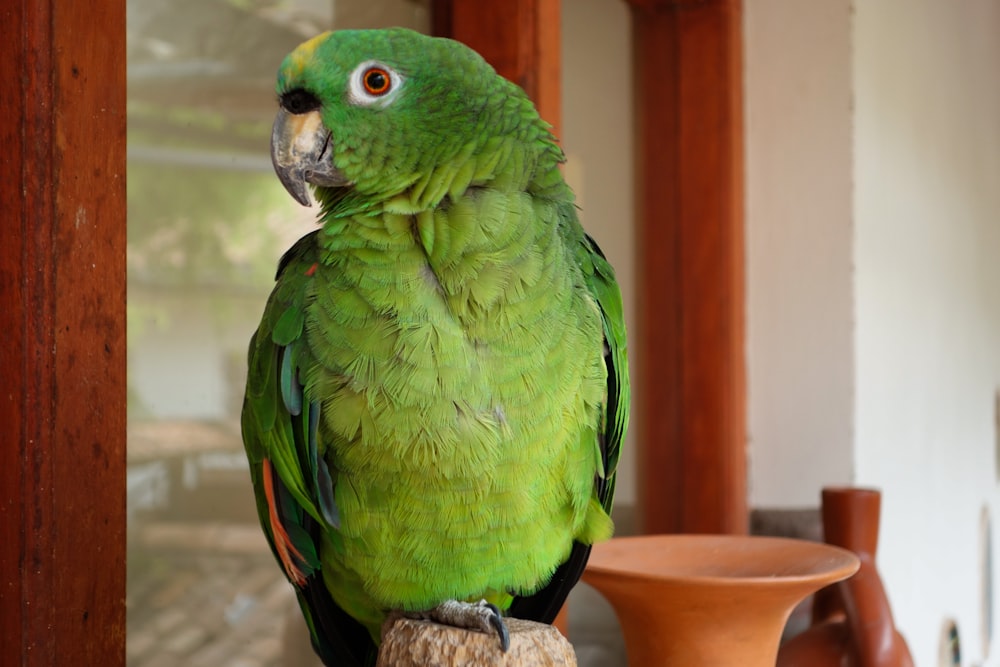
438,391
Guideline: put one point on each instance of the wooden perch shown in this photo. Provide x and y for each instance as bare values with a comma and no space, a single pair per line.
411,643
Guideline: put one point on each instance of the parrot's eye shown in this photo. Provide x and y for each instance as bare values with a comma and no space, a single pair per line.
377,81
373,83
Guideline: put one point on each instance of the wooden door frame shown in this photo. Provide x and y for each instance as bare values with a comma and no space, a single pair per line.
62,304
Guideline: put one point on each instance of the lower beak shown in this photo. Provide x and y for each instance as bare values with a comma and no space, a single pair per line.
302,152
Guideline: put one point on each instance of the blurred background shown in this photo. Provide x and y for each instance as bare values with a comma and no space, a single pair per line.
871,141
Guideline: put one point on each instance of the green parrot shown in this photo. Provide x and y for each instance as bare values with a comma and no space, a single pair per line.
437,392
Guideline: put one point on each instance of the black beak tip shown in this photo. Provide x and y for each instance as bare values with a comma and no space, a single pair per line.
295,184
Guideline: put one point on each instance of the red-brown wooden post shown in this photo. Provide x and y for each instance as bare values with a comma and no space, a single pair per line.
62,311
690,389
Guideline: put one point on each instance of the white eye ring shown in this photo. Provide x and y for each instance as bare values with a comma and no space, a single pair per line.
373,84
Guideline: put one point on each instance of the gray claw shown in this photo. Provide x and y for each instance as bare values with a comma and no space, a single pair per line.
496,620
482,615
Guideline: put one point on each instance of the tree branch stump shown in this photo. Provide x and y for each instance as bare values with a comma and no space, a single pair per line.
408,642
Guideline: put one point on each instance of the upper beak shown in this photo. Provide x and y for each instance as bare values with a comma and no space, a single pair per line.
302,152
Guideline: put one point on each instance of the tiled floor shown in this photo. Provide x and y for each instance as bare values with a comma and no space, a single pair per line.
196,607
210,595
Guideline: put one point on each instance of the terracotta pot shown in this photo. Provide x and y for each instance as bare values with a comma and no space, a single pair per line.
852,621
709,600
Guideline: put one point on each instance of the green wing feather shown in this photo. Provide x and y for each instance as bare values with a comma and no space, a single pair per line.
278,424
280,435
600,279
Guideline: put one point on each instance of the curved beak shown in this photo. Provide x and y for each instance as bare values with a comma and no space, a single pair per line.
302,152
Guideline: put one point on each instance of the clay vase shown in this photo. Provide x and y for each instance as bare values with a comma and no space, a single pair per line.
709,600
852,623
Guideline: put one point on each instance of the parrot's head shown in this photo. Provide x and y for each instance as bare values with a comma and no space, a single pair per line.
374,114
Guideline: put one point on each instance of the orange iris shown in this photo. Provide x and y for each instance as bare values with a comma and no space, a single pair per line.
376,81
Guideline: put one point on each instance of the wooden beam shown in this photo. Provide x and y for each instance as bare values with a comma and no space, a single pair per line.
62,304
690,390
520,38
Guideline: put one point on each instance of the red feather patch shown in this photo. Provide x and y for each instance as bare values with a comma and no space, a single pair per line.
282,542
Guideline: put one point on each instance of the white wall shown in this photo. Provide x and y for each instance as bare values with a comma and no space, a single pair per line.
800,374
927,211
873,220
184,348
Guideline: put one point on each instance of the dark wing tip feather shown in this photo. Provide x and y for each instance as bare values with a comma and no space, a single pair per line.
544,605
337,638
322,480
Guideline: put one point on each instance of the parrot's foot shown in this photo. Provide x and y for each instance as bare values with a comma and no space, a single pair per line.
481,615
